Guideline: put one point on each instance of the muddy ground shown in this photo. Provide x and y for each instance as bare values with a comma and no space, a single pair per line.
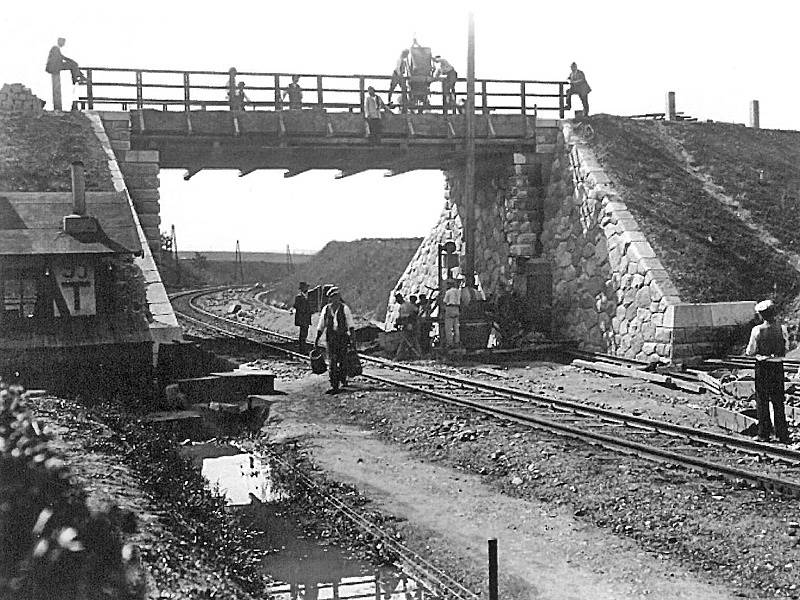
572,521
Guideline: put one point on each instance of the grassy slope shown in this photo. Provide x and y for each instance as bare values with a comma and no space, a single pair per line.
35,153
709,253
366,270
733,155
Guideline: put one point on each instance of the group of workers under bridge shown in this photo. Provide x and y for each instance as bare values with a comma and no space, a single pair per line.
421,321
416,315
416,68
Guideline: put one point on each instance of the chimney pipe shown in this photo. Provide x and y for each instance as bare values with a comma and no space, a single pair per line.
78,188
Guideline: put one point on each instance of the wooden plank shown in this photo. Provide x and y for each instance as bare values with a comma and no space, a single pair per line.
712,383
612,369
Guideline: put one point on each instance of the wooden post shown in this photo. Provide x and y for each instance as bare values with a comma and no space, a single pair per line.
469,181
493,569
484,95
560,100
186,97
360,94
139,92
56,78
319,92
89,90
277,83
523,98
755,115
175,256
670,112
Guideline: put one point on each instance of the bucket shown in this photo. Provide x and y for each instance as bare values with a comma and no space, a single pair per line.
318,364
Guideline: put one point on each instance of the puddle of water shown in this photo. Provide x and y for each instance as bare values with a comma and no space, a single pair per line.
241,478
307,568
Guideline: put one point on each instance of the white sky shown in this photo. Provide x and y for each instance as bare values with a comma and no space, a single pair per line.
717,56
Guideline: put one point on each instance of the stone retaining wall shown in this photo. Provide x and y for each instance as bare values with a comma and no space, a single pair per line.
164,325
610,289
509,199
140,170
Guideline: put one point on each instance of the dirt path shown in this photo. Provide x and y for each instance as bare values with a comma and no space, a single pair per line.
544,550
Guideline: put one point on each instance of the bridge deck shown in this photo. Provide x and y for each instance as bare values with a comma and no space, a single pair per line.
316,139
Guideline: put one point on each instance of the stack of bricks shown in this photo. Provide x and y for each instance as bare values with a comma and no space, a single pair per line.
16,99
140,170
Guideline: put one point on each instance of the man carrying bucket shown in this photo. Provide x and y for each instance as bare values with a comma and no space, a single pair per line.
336,321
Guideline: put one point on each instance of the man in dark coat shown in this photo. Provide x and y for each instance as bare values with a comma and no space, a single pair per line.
302,314
768,345
57,62
336,321
578,85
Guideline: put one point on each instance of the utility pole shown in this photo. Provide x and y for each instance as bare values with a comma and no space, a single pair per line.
175,257
469,180
289,263
239,267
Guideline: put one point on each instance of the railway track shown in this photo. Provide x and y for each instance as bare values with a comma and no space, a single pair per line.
770,467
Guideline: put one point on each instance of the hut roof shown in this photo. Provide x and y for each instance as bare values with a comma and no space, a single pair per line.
31,224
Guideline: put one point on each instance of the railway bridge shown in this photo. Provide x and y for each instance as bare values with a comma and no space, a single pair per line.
546,220
182,120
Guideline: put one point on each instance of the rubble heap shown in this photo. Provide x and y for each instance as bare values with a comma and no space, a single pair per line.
16,99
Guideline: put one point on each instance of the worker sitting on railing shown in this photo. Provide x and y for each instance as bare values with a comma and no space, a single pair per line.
57,62
295,93
399,79
447,71
578,85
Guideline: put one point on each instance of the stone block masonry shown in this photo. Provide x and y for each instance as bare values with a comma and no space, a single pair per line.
144,202
611,290
509,209
140,170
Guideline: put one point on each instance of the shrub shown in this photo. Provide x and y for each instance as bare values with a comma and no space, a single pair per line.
51,544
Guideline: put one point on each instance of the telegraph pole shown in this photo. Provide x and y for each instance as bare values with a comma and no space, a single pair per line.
239,265
469,180
176,257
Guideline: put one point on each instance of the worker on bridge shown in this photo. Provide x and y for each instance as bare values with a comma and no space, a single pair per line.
446,70
295,94
57,62
399,80
336,321
578,85
768,345
373,112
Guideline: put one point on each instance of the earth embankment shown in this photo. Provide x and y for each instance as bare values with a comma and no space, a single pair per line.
716,201
365,270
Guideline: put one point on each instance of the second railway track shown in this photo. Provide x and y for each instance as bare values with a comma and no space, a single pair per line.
773,468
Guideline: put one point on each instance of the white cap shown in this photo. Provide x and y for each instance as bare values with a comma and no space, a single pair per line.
764,305
333,291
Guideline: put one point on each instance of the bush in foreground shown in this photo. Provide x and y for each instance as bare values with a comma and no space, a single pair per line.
51,544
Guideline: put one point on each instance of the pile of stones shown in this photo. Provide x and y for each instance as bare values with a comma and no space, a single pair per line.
16,99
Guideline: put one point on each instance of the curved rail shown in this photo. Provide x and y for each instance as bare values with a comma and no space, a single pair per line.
521,406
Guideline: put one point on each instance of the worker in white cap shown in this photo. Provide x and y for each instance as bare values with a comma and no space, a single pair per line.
768,345
336,321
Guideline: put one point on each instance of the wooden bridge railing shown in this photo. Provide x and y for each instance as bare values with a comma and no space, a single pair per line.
187,90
